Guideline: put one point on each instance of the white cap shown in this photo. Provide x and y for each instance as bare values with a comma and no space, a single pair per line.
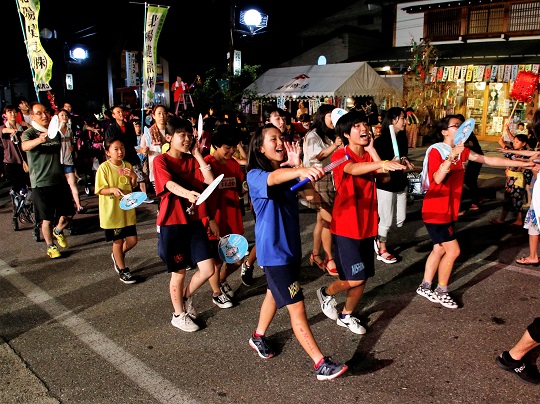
336,114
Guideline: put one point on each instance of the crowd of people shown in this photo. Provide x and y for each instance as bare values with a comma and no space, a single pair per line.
357,202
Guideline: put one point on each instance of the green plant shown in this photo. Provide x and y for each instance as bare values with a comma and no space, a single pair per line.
223,91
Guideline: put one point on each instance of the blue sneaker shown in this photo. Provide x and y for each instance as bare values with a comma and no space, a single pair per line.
260,344
329,370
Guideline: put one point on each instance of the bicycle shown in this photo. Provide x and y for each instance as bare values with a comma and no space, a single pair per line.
23,210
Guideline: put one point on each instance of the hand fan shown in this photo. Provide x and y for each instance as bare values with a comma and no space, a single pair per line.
205,194
132,200
52,130
232,248
464,131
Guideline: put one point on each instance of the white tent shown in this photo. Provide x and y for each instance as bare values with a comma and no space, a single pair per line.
334,80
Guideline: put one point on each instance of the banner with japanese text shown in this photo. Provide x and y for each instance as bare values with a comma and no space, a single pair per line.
478,73
155,18
40,62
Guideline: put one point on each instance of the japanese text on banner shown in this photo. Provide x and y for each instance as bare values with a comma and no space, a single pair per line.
40,62
155,18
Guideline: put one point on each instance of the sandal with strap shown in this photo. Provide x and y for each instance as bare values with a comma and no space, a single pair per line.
386,257
313,262
331,271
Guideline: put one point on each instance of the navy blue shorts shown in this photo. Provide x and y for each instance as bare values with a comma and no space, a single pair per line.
52,202
181,245
215,250
283,283
440,233
120,234
355,259
68,168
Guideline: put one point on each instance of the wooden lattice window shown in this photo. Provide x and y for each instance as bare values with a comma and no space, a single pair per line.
524,16
484,19
443,23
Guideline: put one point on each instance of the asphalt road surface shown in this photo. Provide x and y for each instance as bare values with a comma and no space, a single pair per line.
73,333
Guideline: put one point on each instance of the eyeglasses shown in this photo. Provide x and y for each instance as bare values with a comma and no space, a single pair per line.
41,112
454,126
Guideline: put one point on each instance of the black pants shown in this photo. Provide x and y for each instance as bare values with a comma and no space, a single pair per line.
472,171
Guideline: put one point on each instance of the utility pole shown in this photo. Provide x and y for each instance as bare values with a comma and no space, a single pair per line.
231,39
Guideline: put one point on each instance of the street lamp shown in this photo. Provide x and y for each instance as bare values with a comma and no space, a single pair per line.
78,53
252,22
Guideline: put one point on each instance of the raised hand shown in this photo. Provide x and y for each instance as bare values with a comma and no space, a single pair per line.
293,154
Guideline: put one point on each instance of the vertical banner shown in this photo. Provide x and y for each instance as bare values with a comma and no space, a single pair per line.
514,72
507,73
155,17
463,75
237,63
470,69
451,73
500,74
480,73
457,71
494,70
131,69
40,62
487,73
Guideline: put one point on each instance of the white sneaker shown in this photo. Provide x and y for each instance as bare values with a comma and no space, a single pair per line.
427,293
328,305
226,288
188,307
184,322
222,301
445,299
352,323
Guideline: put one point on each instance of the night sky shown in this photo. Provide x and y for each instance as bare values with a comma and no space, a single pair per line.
195,35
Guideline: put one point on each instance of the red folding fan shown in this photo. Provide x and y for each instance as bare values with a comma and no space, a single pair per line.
524,88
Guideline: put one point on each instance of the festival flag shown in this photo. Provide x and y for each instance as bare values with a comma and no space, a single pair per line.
480,73
457,71
494,71
155,18
40,62
470,69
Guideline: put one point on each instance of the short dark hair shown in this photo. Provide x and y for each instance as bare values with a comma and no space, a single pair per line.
178,125
225,134
110,140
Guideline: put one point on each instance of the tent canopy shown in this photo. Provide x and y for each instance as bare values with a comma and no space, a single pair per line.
334,80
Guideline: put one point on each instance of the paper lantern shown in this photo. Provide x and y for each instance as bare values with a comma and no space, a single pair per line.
524,86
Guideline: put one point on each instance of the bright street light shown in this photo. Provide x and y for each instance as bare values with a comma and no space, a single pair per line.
253,20
78,53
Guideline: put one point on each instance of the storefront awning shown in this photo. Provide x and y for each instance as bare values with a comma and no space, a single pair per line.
334,80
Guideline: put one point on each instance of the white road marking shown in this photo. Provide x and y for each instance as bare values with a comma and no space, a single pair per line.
147,379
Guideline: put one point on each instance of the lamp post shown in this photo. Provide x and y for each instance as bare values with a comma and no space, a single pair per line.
251,21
